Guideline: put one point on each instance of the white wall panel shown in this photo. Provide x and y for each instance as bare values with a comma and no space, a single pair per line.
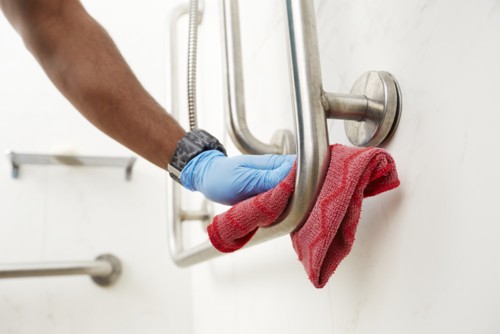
63,213
425,254
424,258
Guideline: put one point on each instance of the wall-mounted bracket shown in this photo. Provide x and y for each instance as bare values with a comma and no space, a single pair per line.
372,110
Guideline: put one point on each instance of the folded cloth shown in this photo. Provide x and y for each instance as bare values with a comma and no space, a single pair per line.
327,236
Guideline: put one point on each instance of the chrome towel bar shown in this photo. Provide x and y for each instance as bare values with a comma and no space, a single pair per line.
18,159
104,270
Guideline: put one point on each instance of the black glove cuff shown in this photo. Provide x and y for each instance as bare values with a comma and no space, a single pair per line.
193,143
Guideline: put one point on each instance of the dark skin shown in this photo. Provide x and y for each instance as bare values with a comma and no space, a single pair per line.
83,62
98,81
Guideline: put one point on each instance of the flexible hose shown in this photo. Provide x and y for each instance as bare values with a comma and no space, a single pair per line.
191,70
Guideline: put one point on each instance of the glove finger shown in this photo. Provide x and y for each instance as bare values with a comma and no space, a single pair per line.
271,178
267,161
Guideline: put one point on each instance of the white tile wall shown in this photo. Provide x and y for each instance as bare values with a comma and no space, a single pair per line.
425,256
63,213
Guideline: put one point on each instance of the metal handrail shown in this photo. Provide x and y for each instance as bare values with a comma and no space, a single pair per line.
311,140
283,141
104,271
371,111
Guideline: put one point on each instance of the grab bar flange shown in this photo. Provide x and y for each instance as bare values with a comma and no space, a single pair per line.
371,111
114,275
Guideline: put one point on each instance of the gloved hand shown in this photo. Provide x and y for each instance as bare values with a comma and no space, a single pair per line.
231,180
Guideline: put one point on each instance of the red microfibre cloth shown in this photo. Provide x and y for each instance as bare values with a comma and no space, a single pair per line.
328,234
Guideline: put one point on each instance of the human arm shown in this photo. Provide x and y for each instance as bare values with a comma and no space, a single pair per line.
85,65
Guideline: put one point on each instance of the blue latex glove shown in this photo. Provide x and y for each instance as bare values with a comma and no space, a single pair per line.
231,180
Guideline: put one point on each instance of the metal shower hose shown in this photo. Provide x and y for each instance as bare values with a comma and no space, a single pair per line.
191,70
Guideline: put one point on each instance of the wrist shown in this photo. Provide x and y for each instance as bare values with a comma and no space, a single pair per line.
189,147
192,175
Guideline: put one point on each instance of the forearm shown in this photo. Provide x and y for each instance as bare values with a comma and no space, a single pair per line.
83,62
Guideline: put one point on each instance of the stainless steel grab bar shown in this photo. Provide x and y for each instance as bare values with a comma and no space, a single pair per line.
312,145
104,271
283,141
371,111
